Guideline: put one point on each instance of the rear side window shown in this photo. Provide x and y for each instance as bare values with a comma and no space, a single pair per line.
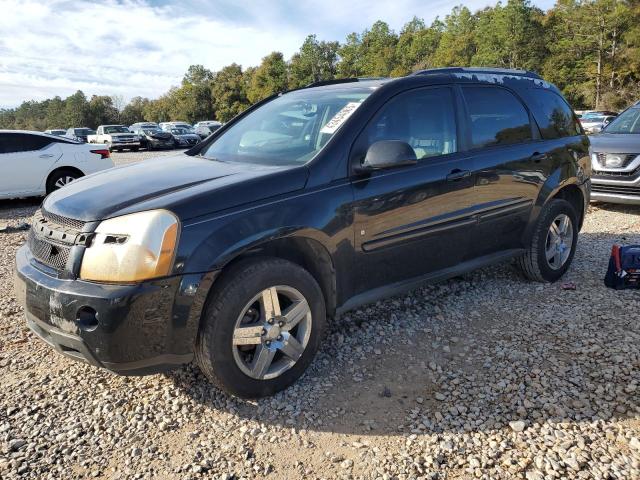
423,118
555,118
497,117
21,142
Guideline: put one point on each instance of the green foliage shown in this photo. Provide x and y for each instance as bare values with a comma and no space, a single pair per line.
316,61
229,92
269,78
589,48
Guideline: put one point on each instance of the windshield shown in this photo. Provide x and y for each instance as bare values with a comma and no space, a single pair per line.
288,130
626,122
180,131
116,129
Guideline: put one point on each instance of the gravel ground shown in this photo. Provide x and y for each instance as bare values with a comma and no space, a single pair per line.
483,376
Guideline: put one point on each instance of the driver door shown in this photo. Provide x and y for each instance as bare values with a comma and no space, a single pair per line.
410,221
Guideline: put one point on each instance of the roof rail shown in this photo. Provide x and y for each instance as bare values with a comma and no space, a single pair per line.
322,83
490,71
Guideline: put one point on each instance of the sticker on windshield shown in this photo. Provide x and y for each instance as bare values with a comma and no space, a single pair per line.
340,117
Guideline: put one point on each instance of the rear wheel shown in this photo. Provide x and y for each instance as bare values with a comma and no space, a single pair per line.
261,328
553,244
61,178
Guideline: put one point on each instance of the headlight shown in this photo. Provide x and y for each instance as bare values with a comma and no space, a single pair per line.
613,160
132,248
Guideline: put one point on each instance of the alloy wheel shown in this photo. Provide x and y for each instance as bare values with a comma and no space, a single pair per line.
559,241
271,332
64,180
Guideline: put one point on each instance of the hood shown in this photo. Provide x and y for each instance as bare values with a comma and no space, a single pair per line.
186,185
615,143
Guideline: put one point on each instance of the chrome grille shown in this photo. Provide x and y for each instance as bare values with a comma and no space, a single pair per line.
62,221
616,189
52,254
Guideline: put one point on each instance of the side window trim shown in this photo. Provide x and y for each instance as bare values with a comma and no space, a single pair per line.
533,125
352,160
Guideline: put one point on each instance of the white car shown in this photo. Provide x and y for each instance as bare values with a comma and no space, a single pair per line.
167,126
34,163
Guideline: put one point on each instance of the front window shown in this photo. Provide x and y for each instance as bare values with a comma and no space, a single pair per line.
289,130
116,129
627,122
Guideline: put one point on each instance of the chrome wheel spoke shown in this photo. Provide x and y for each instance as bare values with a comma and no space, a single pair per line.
270,303
262,359
559,241
291,347
263,344
294,314
248,335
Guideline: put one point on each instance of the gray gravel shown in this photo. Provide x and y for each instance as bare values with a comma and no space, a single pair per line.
483,376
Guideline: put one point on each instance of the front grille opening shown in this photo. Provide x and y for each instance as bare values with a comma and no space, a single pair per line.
62,221
52,255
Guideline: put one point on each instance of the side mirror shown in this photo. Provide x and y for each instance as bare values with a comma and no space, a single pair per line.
388,154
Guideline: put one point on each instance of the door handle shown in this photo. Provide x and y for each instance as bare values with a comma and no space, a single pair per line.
458,174
46,155
538,157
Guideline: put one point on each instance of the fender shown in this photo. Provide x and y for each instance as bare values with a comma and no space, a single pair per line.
565,175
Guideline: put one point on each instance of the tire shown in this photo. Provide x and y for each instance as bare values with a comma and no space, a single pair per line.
534,263
235,368
60,178
135,149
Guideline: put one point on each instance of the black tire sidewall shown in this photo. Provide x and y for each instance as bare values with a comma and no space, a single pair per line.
51,183
218,332
555,208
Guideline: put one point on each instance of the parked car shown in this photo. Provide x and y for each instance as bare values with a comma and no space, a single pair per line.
57,132
237,252
207,123
46,162
184,137
152,138
136,126
616,159
167,126
116,137
79,134
203,131
595,123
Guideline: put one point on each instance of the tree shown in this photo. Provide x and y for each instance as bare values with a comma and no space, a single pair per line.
75,110
314,62
134,111
269,78
457,44
229,92
416,46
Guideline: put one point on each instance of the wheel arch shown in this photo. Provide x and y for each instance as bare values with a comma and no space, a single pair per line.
57,170
304,251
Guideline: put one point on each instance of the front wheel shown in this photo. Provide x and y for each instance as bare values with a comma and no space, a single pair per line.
553,244
261,328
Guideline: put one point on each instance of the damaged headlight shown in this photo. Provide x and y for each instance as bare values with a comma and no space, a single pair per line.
132,248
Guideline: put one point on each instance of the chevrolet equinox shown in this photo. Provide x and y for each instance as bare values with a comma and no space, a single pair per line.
310,203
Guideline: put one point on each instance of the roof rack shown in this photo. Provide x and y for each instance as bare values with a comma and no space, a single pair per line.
335,81
490,71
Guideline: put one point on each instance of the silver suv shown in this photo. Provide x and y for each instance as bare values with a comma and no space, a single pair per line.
615,157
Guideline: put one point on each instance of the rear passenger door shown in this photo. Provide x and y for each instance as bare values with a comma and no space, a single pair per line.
410,221
509,172
25,160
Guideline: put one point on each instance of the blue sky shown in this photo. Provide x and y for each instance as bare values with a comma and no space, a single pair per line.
143,47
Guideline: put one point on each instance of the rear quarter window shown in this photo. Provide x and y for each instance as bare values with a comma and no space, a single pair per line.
554,116
496,117
22,142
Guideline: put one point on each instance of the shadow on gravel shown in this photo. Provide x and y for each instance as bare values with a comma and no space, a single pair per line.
473,354
10,209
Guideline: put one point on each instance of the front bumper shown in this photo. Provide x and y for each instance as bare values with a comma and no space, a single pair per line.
612,190
125,145
139,329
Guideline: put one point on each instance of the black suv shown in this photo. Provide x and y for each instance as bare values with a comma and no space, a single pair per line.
308,204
